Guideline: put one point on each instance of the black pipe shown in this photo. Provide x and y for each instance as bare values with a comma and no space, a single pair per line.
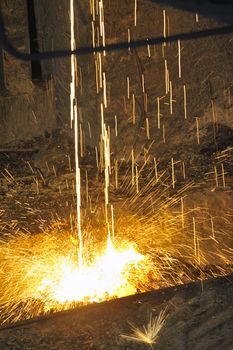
2,77
4,43
34,45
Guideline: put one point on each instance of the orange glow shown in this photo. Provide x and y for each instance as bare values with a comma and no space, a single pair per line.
106,277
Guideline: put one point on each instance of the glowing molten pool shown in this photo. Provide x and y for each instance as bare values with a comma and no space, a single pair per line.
40,273
107,276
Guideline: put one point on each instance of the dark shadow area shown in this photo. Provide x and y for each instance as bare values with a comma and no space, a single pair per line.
222,136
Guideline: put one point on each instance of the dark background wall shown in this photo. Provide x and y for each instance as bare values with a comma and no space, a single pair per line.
207,74
26,105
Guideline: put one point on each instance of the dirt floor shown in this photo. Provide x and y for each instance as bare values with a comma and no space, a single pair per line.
38,195
38,190
198,317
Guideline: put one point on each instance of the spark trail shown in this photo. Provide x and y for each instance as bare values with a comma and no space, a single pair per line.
74,123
